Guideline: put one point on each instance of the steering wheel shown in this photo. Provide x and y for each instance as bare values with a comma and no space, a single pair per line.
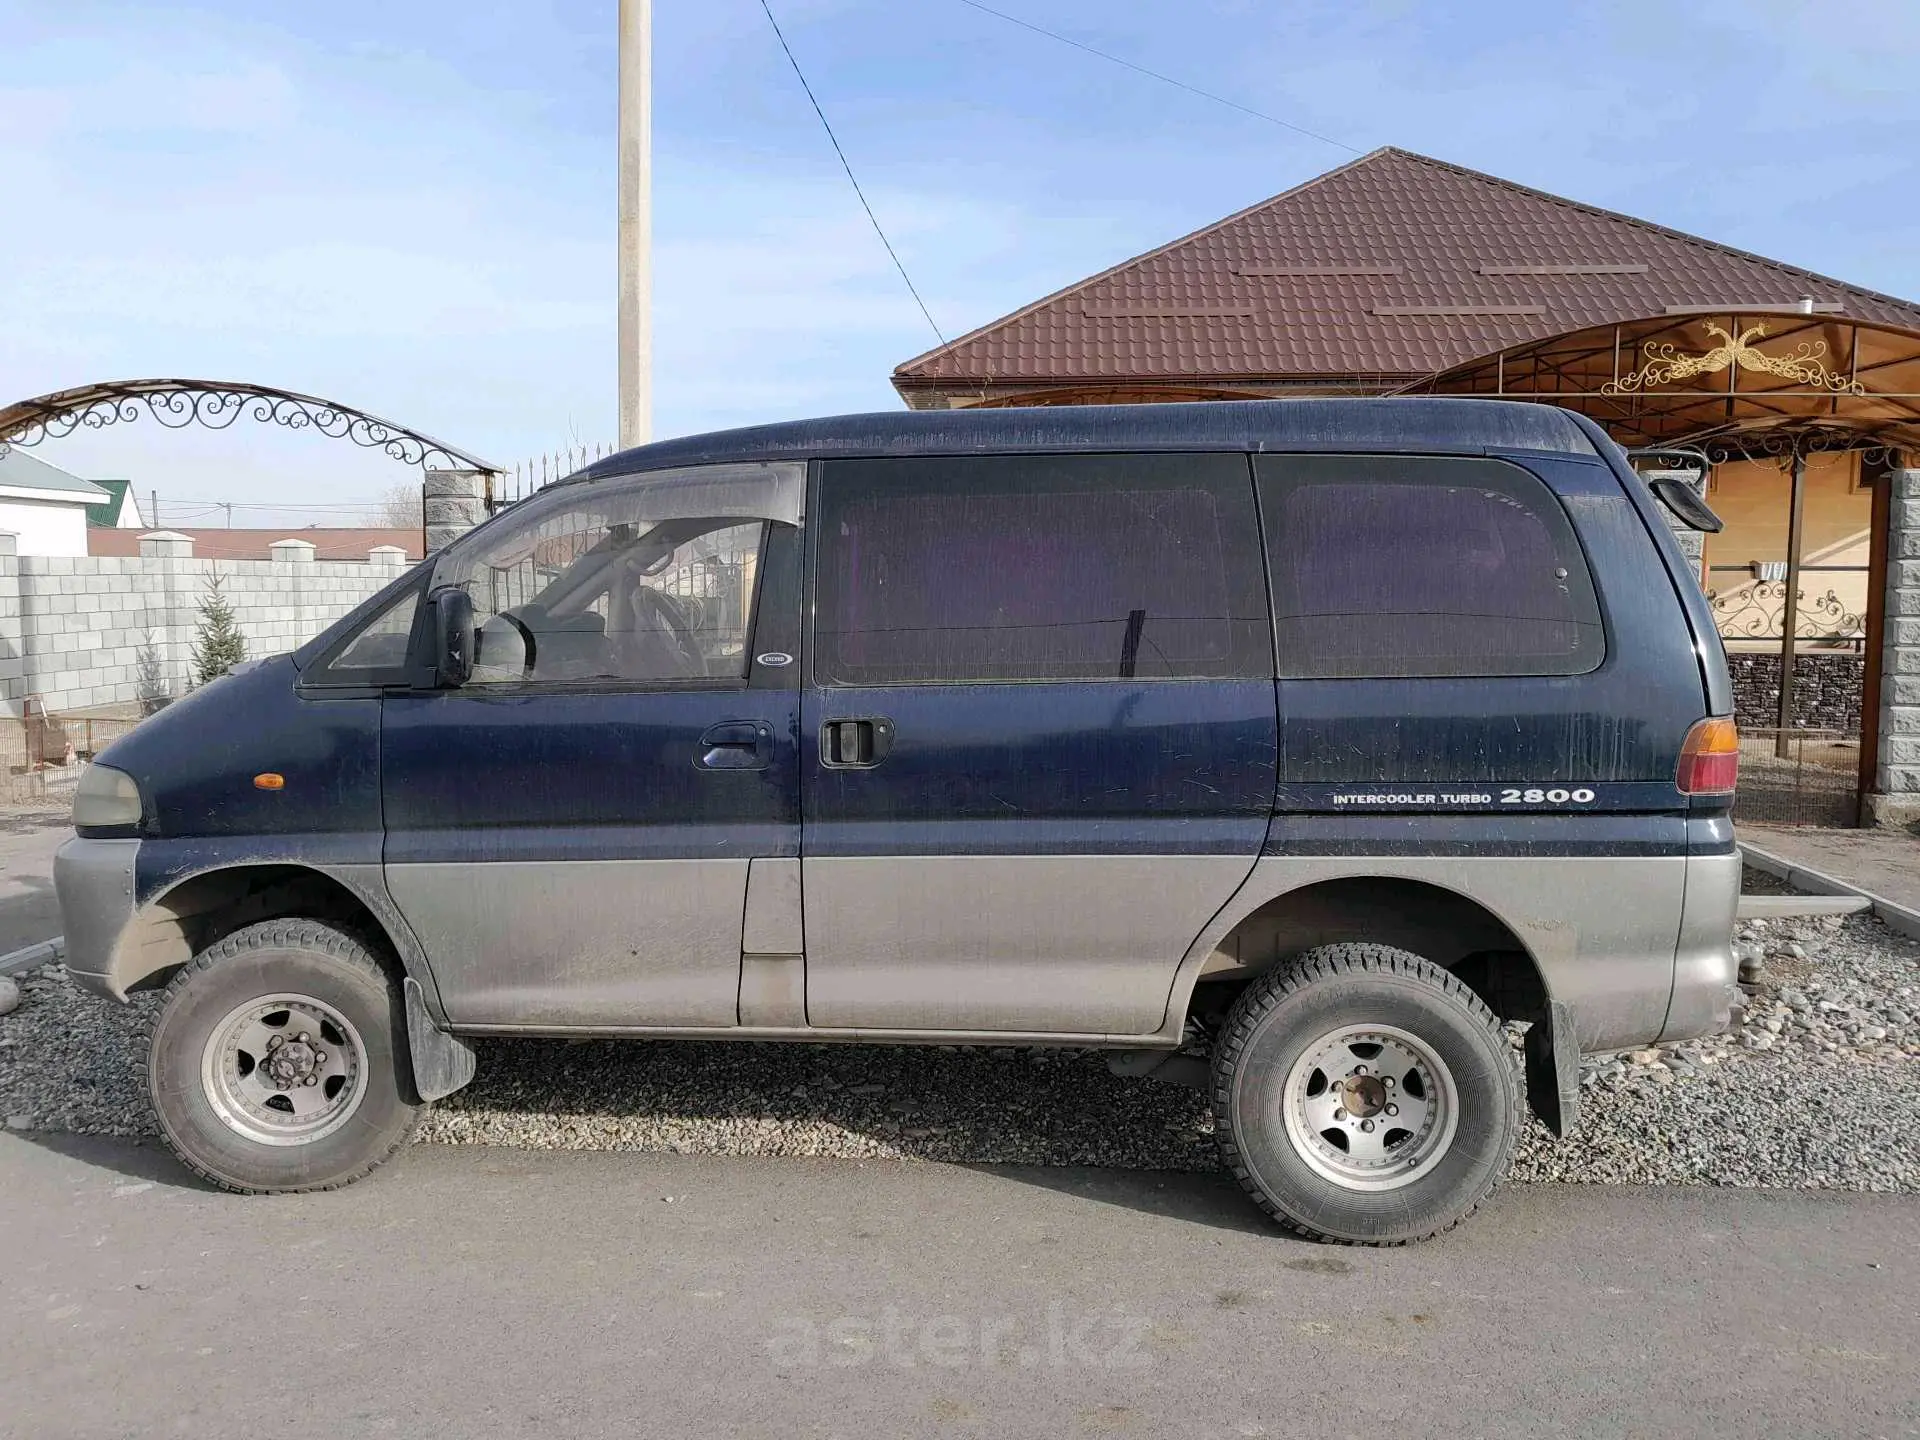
678,623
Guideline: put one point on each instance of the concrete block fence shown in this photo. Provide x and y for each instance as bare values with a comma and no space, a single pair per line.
105,634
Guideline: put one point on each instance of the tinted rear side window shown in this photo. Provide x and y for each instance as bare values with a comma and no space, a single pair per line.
1088,567
1416,566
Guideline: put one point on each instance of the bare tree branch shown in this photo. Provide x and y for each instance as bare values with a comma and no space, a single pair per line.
398,508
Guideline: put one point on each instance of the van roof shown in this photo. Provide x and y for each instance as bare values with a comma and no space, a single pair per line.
1414,424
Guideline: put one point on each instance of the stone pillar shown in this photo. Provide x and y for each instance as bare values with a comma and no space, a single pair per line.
166,545
387,557
292,552
13,645
1692,543
456,501
1895,799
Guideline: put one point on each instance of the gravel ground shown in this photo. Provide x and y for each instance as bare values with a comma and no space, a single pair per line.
1820,1088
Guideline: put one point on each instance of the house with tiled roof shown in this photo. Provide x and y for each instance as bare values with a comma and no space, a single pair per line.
1362,281
1792,399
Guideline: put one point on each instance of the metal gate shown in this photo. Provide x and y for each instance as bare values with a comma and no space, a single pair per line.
1798,613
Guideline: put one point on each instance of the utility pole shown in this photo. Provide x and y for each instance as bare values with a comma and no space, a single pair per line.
153,506
636,222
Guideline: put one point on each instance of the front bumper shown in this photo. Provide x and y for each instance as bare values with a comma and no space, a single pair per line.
94,880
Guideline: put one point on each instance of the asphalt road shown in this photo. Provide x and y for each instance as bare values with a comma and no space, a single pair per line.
29,913
470,1292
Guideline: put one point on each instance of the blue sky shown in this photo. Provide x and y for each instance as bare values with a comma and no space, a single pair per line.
409,206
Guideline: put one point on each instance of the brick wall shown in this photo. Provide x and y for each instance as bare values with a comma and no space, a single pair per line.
99,633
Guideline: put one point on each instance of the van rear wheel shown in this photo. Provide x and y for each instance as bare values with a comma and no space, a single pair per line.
277,1061
1365,1096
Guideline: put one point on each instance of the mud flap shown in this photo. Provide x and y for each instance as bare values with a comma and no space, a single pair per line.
442,1063
1166,1065
1553,1069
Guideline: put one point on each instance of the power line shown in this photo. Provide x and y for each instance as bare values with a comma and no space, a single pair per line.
209,506
370,514
1163,79
828,127
274,505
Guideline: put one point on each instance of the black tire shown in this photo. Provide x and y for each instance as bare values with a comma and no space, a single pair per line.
296,957
1284,1014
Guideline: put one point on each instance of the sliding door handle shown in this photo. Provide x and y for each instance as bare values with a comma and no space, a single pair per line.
857,744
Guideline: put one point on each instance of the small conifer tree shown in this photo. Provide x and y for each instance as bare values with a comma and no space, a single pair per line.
218,645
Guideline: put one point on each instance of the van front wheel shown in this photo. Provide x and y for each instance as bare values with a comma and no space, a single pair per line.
1365,1096
277,1061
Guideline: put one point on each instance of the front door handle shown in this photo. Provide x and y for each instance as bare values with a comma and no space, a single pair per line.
857,744
736,745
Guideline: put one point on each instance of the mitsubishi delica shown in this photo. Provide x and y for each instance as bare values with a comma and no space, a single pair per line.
1309,750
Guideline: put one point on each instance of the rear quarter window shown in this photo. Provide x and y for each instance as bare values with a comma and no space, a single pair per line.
1392,566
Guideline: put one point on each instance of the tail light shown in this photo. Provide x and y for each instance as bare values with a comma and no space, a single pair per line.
1710,758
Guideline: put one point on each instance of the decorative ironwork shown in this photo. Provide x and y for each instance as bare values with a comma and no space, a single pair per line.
528,476
215,405
1758,612
1784,442
1681,458
1806,365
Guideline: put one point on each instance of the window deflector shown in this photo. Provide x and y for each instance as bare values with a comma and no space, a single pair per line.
763,490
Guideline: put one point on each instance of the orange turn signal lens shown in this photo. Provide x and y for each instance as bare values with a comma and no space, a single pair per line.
269,780
1710,758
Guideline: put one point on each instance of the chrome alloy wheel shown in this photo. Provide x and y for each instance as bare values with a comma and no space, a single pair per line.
284,1070
1370,1107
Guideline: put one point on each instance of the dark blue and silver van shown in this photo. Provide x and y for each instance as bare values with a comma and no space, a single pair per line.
1340,738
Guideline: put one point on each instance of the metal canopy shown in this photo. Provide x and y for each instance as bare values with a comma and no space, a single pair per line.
1742,384
216,404
1733,382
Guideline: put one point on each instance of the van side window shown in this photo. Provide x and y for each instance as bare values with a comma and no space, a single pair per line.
1386,566
585,596
1038,567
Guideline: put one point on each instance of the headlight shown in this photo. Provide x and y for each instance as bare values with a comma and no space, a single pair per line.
105,798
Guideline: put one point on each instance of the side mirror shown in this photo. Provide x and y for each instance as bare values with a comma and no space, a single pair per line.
452,636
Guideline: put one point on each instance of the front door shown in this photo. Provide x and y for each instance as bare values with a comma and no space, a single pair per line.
1039,738
570,833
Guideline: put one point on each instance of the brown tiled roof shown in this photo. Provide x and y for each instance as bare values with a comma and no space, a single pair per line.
1386,269
221,543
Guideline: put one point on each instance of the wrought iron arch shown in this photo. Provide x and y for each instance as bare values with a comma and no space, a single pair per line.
217,404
